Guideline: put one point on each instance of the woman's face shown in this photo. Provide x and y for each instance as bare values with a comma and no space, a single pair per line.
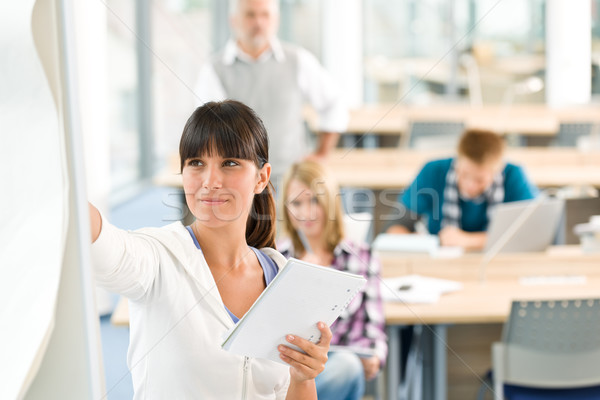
219,191
303,209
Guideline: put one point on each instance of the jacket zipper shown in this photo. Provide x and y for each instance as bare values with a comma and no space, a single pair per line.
244,379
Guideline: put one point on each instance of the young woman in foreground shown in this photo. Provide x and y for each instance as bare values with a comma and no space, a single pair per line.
312,218
188,286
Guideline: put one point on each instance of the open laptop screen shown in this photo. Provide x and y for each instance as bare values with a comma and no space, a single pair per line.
528,225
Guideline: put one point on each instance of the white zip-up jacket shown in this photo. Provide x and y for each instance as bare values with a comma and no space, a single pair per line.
178,320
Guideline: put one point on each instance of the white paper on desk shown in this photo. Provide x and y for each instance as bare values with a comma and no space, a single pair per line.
301,295
416,288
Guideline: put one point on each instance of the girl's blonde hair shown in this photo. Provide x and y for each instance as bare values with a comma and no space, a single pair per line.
326,190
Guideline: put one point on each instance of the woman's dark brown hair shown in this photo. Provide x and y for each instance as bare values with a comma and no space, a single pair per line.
233,130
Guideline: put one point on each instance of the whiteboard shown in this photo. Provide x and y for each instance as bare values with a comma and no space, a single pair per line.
49,338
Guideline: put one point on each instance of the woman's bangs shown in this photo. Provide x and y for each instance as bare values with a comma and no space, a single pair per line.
218,140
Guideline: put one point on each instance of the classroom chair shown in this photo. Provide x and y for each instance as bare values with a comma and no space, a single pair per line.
434,134
569,133
550,349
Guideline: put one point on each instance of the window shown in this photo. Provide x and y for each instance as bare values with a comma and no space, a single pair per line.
123,94
440,50
183,36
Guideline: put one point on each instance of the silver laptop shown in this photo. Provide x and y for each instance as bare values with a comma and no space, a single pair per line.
528,225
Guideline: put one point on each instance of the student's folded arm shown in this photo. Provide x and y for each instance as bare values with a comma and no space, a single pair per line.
453,236
477,240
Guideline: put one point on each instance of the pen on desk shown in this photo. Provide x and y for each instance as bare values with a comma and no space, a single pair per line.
304,241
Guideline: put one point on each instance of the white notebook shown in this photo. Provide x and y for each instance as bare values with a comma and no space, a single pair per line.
301,295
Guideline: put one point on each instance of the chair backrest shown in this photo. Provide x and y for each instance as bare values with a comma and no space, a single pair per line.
357,200
569,133
434,134
551,344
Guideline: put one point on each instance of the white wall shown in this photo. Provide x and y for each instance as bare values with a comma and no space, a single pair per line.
342,46
568,52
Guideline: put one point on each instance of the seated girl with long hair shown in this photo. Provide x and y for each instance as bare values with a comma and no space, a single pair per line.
313,221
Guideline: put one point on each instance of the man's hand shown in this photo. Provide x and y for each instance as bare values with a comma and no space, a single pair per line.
454,236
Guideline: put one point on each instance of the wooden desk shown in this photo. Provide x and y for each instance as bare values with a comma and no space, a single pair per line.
484,303
525,119
500,287
396,168
370,119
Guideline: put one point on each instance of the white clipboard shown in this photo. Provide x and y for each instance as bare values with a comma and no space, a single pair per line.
301,295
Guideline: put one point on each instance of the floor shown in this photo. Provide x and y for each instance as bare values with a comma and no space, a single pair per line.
114,351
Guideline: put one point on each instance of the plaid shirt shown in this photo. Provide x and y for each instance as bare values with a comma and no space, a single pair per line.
362,323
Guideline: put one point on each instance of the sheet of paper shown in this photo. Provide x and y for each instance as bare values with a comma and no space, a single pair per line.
416,288
301,295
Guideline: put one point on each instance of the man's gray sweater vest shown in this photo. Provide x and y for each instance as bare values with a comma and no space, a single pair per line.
271,89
